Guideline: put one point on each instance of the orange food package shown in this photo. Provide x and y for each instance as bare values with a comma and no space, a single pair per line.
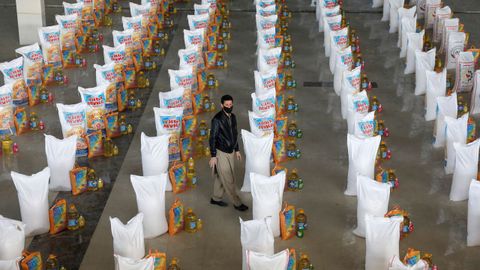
21,120
78,180
58,216
176,217
160,259
95,144
287,222
178,177
31,261
112,127
279,150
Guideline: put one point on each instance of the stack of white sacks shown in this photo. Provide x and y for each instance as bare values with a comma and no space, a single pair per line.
257,235
451,131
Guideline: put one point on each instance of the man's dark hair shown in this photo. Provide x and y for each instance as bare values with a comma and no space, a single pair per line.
226,98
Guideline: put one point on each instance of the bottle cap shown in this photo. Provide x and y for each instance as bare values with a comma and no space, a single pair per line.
301,211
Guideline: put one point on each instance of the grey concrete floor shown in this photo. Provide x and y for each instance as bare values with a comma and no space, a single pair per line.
440,225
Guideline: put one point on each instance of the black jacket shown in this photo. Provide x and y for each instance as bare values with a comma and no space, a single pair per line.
222,137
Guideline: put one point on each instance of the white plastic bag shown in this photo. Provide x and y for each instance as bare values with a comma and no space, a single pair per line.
386,11
409,25
10,264
350,84
395,5
61,159
12,239
436,87
466,168
182,78
202,9
455,45
123,37
137,10
32,62
49,37
372,199
440,15
263,103
475,99
68,26
32,194
257,156
262,123
339,41
414,43
128,239
396,264
446,106
168,121
464,73
382,241
155,156
13,74
265,80
257,236
124,263
404,13
191,56
364,124
258,261
362,152
267,194
473,224
266,11
456,132
448,25
430,7
266,38
344,61
150,193
424,61
268,58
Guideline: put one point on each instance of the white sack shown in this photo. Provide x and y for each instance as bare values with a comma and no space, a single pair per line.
357,103
265,80
455,45
430,7
338,41
465,68
12,238
377,3
395,5
124,263
61,159
473,224
327,12
257,236
456,132
396,264
409,25
10,264
257,156
386,11
128,239
264,102
258,261
333,23
448,25
404,13
440,15
436,87
364,124
475,100
350,84
466,168
155,156
382,241
262,123
414,43
446,106
424,61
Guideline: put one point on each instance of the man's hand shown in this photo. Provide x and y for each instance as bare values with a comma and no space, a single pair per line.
212,162
238,155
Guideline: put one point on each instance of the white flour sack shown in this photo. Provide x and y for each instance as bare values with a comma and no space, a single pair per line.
265,22
265,80
377,3
263,123
327,12
362,152
409,25
268,58
414,43
73,119
395,5
446,106
106,75
357,103
202,9
424,61
191,56
259,261
464,73
364,124
115,55
12,238
266,38
448,25
456,132
267,194
372,199
396,264
172,99
382,241
198,21
128,239
333,23
257,236
344,62
155,156
466,168
32,194
263,103
386,11
473,224
168,121
61,159
32,62
267,10
11,264
421,8
430,7
124,263
440,15
150,193
183,78
194,37
95,99
436,87
350,85
338,41
257,156
404,13
455,45
475,100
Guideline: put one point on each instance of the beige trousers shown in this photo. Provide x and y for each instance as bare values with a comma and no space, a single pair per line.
225,178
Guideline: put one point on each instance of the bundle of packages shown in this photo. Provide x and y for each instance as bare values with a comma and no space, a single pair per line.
413,260
406,226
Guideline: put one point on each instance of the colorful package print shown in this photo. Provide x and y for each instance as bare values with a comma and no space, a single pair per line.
78,180
263,123
265,80
265,22
263,102
34,94
277,169
279,150
68,27
135,23
200,9
171,99
95,100
13,73
58,216
112,127
268,58
174,148
160,259
76,8
360,102
130,78
213,29
32,63
366,124
455,44
280,83
69,58
266,38
138,62
280,104
95,144
176,217
122,97
292,260
50,40
147,46
184,78
281,126
107,74
6,110
266,11
73,119
178,177
201,81
115,55
49,74
99,12
192,56
194,37
32,261
211,59
212,42
287,222
189,125
136,9
125,37
21,120
197,104
186,150
169,121
198,21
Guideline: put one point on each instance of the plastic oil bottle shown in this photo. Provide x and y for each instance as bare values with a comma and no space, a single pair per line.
203,129
190,221
304,263
52,263
72,218
7,146
291,104
199,149
292,180
34,121
301,221
108,147
191,175
123,124
174,264
292,129
92,182
206,103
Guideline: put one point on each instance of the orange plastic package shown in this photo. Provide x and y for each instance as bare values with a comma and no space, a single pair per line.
287,221
176,217
160,259
95,144
279,150
58,216
112,126
21,120
78,180
31,261
178,177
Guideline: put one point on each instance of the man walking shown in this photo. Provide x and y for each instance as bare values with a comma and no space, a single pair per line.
223,149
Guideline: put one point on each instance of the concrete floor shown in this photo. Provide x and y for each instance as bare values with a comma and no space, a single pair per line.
440,225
